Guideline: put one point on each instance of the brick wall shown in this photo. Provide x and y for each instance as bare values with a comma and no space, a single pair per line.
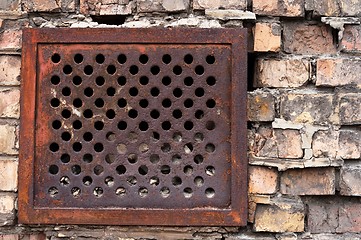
304,110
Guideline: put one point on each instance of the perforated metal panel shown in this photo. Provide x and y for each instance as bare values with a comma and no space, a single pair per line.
133,126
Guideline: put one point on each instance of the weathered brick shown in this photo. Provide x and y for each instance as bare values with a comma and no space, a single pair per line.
351,40
279,218
350,144
9,103
9,237
216,4
307,108
162,5
338,72
10,70
106,7
334,7
325,144
7,139
262,180
302,38
48,5
9,5
7,209
267,37
289,143
265,144
260,106
10,39
350,109
308,181
350,175
281,72
8,175
285,8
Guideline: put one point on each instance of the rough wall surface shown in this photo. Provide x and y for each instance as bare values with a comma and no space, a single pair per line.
303,109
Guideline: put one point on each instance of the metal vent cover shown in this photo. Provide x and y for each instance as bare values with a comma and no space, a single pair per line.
133,127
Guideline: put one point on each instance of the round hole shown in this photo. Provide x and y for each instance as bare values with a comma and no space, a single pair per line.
121,169
76,169
77,80
177,92
132,158
55,80
98,192
110,114
210,147
66,91
188,103
143,59
177,136
143,103
53,191
198,137
199,181
122,125
199,92
177,70
210,59
98,147
188,81
120,192
188,170
78,58
110,136
53,169
64,181
210,125
99,81
55,58
176,159
198,159
199,70
54,147
87,158
143,170
56,124
77,102
132,113
199,114
131,180
166,81
110,158
77,124
133,91
100,58
154,181
188,125
87,180
99,103
188,148
133,137
165,169
143,192
166,125
133,69
188,58
122,103
122,58
122,148
166,103
88,113
88,92
164,192
155,70
144,80
77,147
143,126
210,193
154,92
66,136
211,81
65,158
143,148
111,91
98,169
67,69
154,158
166,147
177,114
99,125
166,58
122,80
88,70
188,192
75,191
211,103
54,102
154,114
176,181
109,181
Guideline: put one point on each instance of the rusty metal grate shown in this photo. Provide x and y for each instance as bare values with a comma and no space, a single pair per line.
142,127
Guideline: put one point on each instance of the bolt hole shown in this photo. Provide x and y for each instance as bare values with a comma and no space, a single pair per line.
199,114
211,103
176,159
56,124
155,70
64,181
77,124
53,191
143,126
177,70
188,125
131,180
99,103
165,169
210,59
210,147
188,170
66,91
133,91
198,159
88,136
121,169
199,70
55,80
55,58
88,92
132,113
188,103
54,147
166,58
67,69
199,181
122,148
177,92
133,137
88,70
99,125
166,81
188,81
133,69
166,103
143,103
143,192
77,80
78,58
100,58
111,91
132,158
177,114
99,81
199,92
88,113
176,181
154,181
210,125
154,114
143,148
65,158
98,147
198,137
77,147
154,92
166,125
177,137
66,136
54,102
110,114
144,80
155,136
88,158
188,58
143,170
76,169
77,103
122,125
53,169
122,103
122,59
154,158
122,80
75,191
211,81
166,147
120,192
143,59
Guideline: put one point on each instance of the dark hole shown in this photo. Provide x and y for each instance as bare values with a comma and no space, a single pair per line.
154,92
111,69
66,136
211,81
199,114
132,158
77,124
66,91
177,70
122,58
78,58
88,136
198,181
55,58
133,113
87,180
198,159
100,58
188,192
122,125
199,92
143,103
211,103
88,158
122,103
64,181
122,80
144,80
210,125
154,114
56,124
210,147
143,170
188,170
176,181
154,181
98,169
54,102
177,92
166,147
133,69
177,113
166,81
199,137
143,126
77,80
110,136
109,19
210,59
88,113
166,58
99,125
98,147
188,125
77,102
176,159
55,80
111,91
110,114
166,125
199,70
132,180
154,158
66,113
67,69
109,181
143,59
77,146
65,158
121,169
155,136
188,58
188,81
188,148
99,103
166,103
99,81
88,92
154,70
88,70
165,169
188,103
110,158
76,169
210,171
53,169
133,91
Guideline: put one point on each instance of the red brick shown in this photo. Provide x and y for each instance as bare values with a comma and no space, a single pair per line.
308,181
325,144
9,237
9,175
10,70
9,103
350,175
285,8
10,39
262,180
49,5
334,7
350,109
106,7
7,139
351,40
260,106
289,143
267,37
301,38
350,144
